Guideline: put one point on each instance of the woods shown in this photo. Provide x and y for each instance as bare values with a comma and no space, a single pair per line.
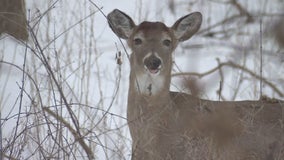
64,95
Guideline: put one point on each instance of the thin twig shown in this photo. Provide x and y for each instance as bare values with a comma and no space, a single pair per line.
21,101
233,65
128,56
242,10
77,136
53,78
261,59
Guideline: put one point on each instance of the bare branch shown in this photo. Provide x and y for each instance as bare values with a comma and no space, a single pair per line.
233,65
76,135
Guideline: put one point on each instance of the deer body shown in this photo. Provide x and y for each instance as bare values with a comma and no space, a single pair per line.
170,125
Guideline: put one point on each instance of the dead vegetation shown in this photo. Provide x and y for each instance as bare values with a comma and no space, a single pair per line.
66,112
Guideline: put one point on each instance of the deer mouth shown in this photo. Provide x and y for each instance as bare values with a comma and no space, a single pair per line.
153,64
152,70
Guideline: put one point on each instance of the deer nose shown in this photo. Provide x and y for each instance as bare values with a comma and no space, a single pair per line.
152,63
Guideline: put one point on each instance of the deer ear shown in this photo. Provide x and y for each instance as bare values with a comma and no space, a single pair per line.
187,26
120,23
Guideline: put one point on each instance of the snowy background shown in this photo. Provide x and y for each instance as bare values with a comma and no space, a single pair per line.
63,95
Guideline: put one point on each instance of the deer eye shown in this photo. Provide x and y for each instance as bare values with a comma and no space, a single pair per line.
137,41
167,42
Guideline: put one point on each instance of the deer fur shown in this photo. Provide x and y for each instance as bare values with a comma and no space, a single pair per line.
167,125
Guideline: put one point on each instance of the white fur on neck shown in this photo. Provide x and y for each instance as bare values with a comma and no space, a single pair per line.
149,84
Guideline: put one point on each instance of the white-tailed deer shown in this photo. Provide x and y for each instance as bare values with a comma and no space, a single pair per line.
176,126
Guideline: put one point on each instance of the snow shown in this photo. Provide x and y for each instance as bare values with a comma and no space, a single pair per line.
83,60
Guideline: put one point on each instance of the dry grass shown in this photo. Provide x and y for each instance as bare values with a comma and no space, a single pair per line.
62,110
66,100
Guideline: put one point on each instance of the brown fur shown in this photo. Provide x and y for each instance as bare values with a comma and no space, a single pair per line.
168,125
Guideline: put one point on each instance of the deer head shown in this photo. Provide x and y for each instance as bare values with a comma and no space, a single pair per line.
152,44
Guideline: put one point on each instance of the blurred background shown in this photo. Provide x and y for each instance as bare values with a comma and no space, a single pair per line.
64,73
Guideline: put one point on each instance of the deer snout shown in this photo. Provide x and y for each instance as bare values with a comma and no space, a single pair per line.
152,64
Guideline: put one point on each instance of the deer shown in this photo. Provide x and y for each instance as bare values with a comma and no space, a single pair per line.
167,125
